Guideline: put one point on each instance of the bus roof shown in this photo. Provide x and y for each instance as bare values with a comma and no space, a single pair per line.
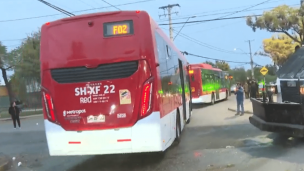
99,14
124,13
205,66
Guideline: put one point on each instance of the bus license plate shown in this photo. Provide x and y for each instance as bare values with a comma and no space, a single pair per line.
96,119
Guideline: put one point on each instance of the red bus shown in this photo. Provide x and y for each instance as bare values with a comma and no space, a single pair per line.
208,84
112,82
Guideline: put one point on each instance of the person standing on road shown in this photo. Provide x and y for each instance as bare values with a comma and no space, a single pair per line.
240,100
253,90
246,89
14,112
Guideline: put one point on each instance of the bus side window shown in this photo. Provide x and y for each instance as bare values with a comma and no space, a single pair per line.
192,77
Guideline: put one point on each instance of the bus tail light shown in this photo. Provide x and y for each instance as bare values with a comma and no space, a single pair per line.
192,89
49,107
146,98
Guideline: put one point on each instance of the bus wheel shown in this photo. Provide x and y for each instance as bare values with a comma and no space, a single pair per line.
178,128
212,99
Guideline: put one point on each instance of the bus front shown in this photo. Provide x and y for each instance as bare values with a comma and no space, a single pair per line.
97,84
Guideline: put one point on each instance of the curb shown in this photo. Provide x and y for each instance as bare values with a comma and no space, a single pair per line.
22,117
246,111
4,163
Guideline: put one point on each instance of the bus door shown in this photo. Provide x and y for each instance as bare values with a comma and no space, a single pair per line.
183,87
217,86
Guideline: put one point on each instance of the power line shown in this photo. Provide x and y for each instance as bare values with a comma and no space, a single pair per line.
207,45
211,13
216,19
51,15
57,8
241,10
111,5
246,8
199,56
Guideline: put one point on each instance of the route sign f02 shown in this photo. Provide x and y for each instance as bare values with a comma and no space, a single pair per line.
264,71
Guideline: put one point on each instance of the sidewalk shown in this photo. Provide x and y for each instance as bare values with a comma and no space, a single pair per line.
4,163
21,117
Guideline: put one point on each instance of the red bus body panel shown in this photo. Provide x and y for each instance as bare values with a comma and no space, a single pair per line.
72,42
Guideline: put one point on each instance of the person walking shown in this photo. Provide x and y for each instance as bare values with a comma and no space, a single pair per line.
240,100
14,112
246,89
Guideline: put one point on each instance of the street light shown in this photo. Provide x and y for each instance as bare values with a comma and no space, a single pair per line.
235,49
183,26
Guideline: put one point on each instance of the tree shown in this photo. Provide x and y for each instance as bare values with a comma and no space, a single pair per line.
239,74
6,64
210,63
222,65
282,19
279,48
29,66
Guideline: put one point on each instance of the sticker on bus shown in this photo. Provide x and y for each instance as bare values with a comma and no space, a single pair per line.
125,96
96,119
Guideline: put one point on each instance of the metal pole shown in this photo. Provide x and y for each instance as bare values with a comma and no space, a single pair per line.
170,24
251,61
169,7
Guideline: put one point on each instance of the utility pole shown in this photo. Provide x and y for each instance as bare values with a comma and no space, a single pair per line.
251,61
169,7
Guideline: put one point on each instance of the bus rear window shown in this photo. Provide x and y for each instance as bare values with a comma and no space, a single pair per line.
118,28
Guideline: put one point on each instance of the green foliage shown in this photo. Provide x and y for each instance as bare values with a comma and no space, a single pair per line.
25,62
219,64
279,48
28,52
222,65
239,74
210,63
282,19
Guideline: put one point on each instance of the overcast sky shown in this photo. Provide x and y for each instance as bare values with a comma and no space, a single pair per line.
217,39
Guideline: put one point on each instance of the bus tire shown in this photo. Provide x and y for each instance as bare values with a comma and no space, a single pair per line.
178,128
212,99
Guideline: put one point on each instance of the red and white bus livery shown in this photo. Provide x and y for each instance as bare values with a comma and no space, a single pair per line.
208,84
112,83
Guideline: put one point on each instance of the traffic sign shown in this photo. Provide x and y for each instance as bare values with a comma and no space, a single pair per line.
264,71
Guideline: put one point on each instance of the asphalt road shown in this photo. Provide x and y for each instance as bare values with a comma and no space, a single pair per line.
215,140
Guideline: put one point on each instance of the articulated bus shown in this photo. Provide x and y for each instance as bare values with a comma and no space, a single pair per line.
208,84
112,82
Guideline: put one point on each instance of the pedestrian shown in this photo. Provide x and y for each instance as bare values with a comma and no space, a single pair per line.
246,89
253,90
240,100
14,112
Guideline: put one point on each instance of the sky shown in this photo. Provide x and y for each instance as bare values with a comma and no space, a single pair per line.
222,39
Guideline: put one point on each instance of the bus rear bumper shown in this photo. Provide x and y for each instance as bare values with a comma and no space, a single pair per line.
144,136
202,99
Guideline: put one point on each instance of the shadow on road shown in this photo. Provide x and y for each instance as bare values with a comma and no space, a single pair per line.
193,139
144,161
279,147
